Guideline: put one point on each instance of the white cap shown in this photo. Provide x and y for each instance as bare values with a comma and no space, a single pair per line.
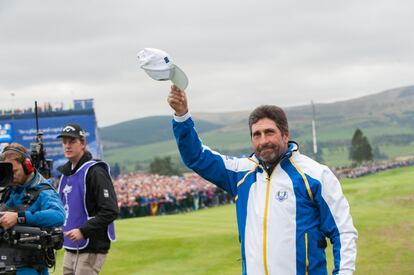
159,66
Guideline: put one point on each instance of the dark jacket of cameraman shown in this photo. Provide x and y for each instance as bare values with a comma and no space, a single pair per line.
104,210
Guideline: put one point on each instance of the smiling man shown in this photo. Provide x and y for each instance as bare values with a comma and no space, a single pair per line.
89,198
287,204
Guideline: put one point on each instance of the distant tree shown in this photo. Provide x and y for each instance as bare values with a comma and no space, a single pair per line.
307,149
378,155
138,166
123,167
115,170
163,166
360,150
318,156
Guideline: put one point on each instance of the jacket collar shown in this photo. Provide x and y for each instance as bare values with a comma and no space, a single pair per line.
35,183
67,170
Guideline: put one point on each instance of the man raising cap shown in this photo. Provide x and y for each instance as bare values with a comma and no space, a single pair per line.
287,204
89,198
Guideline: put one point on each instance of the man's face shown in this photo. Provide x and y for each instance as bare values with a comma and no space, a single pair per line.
73,148
19,176
267,141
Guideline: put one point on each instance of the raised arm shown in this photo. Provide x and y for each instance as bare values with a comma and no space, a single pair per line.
221,170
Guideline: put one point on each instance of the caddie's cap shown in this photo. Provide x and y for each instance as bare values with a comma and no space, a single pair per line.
159,66
72,130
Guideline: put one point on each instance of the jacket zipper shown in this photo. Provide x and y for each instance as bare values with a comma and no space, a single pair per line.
268,178
307,255
265,225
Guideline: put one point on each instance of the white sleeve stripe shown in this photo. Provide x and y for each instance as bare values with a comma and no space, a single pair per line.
233,164
339,208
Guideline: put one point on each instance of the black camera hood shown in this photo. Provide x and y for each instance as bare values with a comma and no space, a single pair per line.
6,173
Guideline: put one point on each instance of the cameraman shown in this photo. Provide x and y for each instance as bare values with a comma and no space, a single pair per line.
30,201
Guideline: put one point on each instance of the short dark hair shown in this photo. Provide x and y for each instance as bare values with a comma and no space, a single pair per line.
271,112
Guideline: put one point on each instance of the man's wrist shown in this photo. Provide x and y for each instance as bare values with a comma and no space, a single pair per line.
21,217
182,118
182,113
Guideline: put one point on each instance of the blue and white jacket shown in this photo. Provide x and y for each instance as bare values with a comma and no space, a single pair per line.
283,218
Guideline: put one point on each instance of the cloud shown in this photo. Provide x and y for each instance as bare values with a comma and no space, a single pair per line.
237,54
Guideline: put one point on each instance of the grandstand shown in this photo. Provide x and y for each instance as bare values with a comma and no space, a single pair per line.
20,126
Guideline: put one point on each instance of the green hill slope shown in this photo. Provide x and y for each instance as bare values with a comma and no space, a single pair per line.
206,241
144,131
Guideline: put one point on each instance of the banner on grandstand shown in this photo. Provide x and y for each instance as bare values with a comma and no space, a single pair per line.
6,132
22,129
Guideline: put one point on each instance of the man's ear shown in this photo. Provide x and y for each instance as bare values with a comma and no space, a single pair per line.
285,137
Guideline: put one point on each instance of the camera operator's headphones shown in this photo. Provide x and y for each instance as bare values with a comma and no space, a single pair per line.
26,163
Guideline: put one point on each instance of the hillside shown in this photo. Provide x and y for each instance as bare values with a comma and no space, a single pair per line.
144,131
387,118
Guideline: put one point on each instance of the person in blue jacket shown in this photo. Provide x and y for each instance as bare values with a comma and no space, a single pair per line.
287,204
43,210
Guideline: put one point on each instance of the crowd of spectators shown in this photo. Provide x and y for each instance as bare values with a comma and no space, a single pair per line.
141,194
371,167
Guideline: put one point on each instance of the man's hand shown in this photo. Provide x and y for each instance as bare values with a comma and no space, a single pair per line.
178,101
74,235
8,219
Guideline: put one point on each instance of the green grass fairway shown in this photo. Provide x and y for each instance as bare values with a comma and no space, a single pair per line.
206,242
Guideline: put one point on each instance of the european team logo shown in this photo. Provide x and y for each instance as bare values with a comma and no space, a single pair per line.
6,132
281,195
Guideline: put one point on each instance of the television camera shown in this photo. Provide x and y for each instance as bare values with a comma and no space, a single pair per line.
33,241
6,174
38,153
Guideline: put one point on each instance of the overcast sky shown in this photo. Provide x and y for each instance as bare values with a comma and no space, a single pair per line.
236,54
